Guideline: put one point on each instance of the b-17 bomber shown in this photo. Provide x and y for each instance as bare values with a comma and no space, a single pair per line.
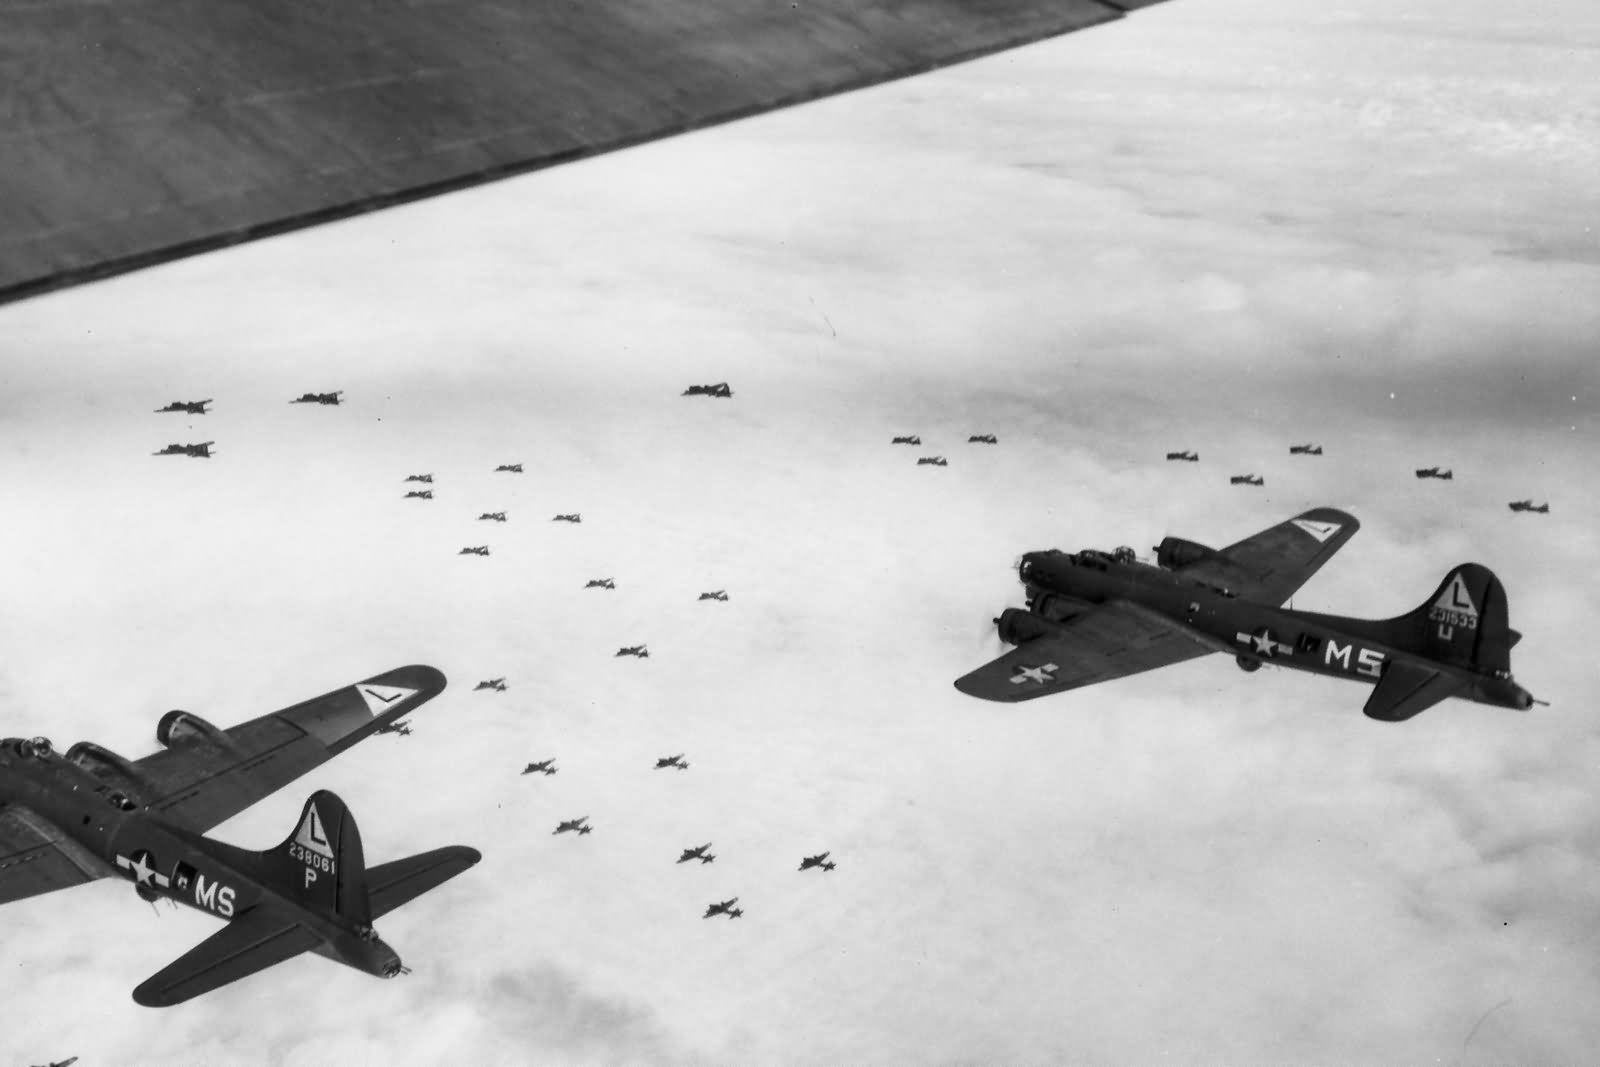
497,684
600,583
720,594
1247,479
509,468
819,860
1093,616
725,908
910,439
1188,457
545,767
186,407
428,478
494,516
719,389
199,451
570,517
403,729
1435,472
474,550
68,1062
983,439
73,817
677,762
419,494
638,651
699,852
579,826
1528,505
331,399
1305,450
932,461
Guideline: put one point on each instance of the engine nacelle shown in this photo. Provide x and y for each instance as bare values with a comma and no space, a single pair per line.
1018,627
107,766
185,727
1175,552
1054,607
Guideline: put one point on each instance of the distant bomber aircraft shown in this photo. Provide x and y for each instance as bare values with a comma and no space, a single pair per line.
1527,505
496,516
199,451
911,439
1191,457
475,550
1093,616
633,650
497,684
1246,479
1435,472
187,407
545,767
419,494
819,860
1305,450
572,517
580,825
401,728
61,1063
720,389
725,908
932,461
600,583
318,398
512,468
428,478
983,439
71,818
720,594
700,852
672,761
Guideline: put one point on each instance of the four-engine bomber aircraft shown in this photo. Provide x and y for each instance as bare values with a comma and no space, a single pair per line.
1093,616
66,819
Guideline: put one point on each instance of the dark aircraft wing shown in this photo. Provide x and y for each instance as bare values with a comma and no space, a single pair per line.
1113,640
35,857
206,779
256,940
1275,562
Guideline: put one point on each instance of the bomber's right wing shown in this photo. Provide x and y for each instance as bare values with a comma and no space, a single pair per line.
1113,640
36,857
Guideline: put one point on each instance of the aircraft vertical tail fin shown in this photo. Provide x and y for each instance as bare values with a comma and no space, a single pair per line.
321,865
1463,623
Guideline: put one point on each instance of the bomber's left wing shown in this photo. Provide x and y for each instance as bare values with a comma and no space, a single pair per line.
205,778
256,940
36,857
1113,640
1272,564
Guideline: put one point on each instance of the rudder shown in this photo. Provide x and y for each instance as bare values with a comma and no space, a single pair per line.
1463,623
321,864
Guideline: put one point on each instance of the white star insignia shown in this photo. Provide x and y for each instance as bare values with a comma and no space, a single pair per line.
1037,675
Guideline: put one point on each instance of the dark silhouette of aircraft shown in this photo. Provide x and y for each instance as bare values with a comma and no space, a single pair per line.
71,818
573,517
1435,472
720,594
600,583
672,761
497,684
1247,479
911,439
983,439
187,407
476,550
419,494
932,461
401,728
71,1059
420,478
633,650
546,767
318,398
1093,616
1191,457
199,451
720,389
1305,450
819,860
1527,505
580,825
497,516
725,908
513,468
700,853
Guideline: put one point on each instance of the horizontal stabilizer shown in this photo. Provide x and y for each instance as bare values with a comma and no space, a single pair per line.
1407,689
254,941
393,884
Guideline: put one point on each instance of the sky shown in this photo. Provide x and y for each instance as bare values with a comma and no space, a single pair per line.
1229,226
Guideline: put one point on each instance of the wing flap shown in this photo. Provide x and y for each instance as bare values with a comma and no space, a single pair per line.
256,940
1407,689
390,885
36,857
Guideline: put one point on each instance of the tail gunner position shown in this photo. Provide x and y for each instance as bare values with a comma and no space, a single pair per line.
1093,616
